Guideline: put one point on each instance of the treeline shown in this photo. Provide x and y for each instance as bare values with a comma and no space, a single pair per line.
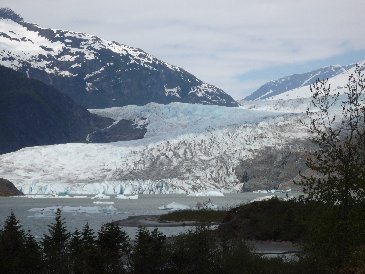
202,250
110,250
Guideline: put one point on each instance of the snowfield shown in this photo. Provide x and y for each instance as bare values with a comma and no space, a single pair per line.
187,148
337,84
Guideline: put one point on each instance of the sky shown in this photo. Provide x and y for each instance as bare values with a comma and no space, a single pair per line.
237,45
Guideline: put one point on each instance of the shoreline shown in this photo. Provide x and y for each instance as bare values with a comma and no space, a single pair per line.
154,221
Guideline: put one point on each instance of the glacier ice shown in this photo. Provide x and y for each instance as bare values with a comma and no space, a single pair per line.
174,206
209,193
187,148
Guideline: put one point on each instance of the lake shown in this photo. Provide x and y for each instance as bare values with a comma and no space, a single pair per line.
36,214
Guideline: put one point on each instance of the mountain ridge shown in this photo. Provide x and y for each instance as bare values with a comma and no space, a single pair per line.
97,73
284,84
32,113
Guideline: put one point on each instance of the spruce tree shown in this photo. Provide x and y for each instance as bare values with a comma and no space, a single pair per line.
114,249
90,254
32,255
55,246
149,252
83,252
195,251
12,246
76,250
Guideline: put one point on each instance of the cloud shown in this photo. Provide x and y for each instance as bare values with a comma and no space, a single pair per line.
218,41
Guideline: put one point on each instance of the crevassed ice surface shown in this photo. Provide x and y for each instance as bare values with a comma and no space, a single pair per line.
187,148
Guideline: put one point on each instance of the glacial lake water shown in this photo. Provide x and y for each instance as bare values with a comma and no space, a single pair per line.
34,216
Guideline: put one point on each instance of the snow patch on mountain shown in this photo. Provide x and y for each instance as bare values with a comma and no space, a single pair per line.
173,91
337,84
297,85
113,74
19,45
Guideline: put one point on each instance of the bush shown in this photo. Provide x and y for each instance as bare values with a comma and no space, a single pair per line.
265,220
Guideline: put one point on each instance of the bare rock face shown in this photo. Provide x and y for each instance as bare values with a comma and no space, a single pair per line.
274,168
8,189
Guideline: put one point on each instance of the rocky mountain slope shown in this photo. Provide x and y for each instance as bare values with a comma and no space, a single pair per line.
274,167
7,188
32,113
97,73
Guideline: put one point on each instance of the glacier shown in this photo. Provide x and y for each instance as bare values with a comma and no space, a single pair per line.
187,149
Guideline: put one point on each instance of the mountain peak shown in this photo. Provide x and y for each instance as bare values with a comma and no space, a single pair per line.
290,82
6,13
98,73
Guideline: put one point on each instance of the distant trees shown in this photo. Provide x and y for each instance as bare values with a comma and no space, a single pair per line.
199,251
336,226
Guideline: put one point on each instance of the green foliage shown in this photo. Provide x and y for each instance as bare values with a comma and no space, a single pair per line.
202,216
329,241
194,252
266,220
19,253
114,249
337,187
149,252
11,246
55,246
201,250
32,255
340,139
85,254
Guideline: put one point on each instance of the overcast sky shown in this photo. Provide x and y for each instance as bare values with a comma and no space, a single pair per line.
236,45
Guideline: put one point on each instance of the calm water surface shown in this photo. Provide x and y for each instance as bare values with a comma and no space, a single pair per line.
38,222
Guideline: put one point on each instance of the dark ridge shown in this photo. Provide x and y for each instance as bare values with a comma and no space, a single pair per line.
121,79
33,113
6,13
7,188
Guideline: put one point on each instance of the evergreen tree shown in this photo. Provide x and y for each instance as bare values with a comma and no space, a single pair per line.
76,252
84,253
195,252
88,236
55,246
114,249
12,246
32,255
91,258
149,252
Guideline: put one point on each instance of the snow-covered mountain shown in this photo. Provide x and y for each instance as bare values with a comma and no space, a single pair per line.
288,94
297,85
186,148
97,73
